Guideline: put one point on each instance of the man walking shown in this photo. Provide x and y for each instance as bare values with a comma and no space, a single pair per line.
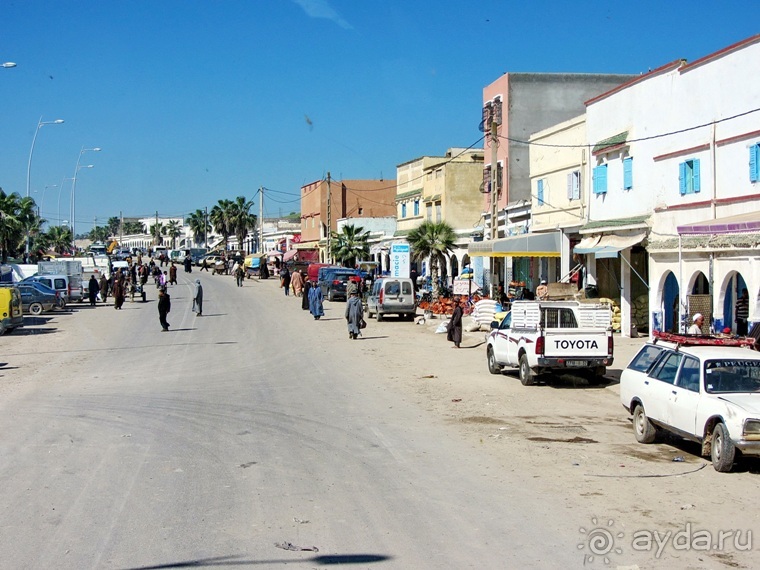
92,289
198,299
164,306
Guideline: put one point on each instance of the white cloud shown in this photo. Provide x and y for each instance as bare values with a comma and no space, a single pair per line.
321,9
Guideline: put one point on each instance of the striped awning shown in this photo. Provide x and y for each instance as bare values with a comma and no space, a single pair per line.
741,223
527,245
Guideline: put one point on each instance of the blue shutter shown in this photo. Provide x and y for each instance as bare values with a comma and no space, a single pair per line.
600,179
540,192
754,166
416,207
682,178
695,175
627,173
403,210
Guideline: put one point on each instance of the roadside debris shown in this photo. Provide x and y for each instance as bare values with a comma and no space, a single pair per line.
291,546
299,521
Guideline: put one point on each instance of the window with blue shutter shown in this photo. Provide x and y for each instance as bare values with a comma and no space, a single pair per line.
627,173
403,210
416,207
540,193
754,163
600,179
688,176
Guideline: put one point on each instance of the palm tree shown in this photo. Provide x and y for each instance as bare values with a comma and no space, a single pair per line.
199,226
434,240
59,238
100,233
11,224
156,230
220,218
349,244
173,229
133,228
113,225
241,219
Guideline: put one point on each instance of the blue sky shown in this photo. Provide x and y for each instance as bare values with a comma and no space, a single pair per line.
195,101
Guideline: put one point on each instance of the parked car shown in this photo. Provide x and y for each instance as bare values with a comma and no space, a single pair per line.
392,296
335,283
703,389
59,283
36,298
209,260
11,309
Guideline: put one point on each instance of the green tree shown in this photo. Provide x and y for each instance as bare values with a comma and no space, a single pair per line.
156,230
349,244
199,226
99,233
131,228
173,229
113,226
18,218
432,240
59,238
220,219
241,219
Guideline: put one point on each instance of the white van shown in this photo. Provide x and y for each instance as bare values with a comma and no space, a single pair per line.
392,296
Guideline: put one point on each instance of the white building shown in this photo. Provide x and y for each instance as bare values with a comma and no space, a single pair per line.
674,159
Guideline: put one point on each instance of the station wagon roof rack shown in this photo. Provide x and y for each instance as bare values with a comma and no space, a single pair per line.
702,339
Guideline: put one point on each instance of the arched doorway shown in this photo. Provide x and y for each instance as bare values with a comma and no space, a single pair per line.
701,285
670,301
454,267
730,291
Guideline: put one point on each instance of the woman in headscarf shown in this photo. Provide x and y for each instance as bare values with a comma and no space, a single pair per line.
103,287
305,298
315,301
354,313
455,324
285,277
92,290
198,299
118,291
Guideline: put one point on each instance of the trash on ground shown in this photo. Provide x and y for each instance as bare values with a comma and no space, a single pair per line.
291,546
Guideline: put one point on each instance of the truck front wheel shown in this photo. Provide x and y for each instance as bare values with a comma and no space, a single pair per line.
526,374
493,368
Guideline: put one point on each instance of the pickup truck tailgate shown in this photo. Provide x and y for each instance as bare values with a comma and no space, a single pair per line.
568,343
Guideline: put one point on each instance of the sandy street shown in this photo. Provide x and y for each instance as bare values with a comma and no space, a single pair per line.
247,435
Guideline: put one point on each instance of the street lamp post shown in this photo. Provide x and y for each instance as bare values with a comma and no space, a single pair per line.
59,198
74,190
40,123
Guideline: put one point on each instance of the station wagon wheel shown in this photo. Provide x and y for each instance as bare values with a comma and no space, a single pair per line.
493,368
526,374
35,309
723,450
642,427
379,317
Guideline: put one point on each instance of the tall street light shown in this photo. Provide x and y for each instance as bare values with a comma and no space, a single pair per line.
74,191
59,198
40,123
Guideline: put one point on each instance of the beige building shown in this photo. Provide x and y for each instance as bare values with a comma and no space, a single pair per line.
558,167
441,188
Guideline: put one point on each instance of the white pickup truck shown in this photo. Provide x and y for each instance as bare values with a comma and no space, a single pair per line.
550,336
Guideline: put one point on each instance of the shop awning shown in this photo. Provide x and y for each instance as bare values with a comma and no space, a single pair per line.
527,245
608,246
290,254
741,223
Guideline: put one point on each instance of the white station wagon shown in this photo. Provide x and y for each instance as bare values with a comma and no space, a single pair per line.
703,389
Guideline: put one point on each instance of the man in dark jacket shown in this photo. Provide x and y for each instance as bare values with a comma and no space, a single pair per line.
164,306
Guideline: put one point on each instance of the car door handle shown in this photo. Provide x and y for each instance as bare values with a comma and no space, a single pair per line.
646,382
673,392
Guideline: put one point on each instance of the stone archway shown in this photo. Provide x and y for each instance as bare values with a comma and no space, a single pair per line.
454,267
725,300
670,302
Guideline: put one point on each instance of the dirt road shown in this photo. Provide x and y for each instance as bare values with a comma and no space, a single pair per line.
220,438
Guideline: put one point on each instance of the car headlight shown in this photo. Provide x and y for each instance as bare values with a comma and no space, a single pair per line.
752,427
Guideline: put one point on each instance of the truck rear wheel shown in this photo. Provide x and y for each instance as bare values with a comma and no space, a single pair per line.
526,374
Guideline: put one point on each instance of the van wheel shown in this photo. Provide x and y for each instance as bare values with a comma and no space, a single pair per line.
493,368
526,374
330,295
723,450
35,309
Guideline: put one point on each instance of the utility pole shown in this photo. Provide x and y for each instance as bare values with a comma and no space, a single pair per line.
494,196
328,255
205,228
261,219
155,228
121,227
